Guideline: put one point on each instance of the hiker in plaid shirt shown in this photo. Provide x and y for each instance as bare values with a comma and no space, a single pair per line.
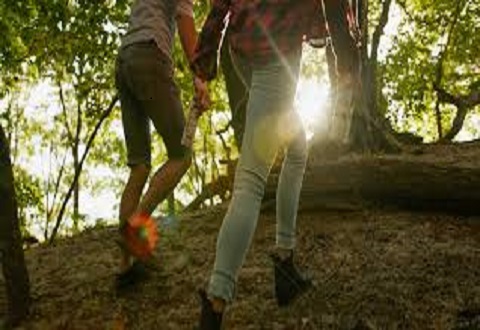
265,39
340,47
253,24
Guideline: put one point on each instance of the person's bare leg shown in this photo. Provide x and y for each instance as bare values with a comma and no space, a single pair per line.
130,199
163,183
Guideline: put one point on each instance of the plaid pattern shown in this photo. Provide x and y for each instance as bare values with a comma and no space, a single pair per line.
260,29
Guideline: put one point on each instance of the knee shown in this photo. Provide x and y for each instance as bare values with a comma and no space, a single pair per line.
187,160
184,161
297,156
250,180
140,172
302,153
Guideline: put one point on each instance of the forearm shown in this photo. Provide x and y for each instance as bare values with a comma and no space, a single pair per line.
188,35
205,58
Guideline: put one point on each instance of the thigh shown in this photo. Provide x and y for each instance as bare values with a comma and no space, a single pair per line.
242,70
155,88
237,91
269,112
134,120
166,113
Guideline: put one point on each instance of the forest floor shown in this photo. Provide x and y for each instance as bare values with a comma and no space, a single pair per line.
373,269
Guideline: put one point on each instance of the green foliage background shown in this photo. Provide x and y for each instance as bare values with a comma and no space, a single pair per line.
71,45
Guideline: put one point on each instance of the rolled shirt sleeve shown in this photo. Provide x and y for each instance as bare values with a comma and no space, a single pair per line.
185,7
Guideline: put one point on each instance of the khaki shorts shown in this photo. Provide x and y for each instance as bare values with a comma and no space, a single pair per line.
144,79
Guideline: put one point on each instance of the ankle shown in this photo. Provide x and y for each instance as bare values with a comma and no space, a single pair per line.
218,304
125,262
283,253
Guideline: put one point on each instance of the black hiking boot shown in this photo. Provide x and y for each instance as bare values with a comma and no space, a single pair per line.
209,319
289,282
135,274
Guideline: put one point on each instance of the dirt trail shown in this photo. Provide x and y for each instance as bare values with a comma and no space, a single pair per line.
373,270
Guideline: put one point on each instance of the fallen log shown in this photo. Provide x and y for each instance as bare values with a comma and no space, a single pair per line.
416,183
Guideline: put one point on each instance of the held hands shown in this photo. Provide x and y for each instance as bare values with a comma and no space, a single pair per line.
201,102
202,97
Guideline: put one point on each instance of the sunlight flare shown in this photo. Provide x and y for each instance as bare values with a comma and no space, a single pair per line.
312,104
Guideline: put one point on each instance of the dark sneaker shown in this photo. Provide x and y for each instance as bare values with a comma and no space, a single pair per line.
289,282
135,274
209,319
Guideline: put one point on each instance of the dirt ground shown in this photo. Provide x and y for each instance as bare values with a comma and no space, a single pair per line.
373,270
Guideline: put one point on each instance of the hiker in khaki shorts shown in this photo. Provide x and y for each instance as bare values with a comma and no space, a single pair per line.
145,82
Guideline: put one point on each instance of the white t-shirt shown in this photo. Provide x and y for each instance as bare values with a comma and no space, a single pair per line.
156,20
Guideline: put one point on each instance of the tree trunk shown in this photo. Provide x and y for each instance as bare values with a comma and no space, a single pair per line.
439,77
76,164
74,143
332,76
457,124
78,170
76,190
370,130
354,122
11,250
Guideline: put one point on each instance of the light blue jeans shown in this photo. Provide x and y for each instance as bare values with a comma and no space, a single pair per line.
271,124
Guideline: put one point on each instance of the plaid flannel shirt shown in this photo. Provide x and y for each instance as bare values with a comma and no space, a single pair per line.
259,29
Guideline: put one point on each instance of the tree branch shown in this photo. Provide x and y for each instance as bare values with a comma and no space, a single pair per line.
469,100
457,124
472,99
439,76
463,103
446,97
379,31
55,194
95,131
439,73
64,111
403,5
78,130
9,122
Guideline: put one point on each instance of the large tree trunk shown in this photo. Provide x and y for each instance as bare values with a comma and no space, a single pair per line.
355,80
11,250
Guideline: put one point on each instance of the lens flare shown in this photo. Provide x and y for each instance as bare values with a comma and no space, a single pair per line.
311,102
141,236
